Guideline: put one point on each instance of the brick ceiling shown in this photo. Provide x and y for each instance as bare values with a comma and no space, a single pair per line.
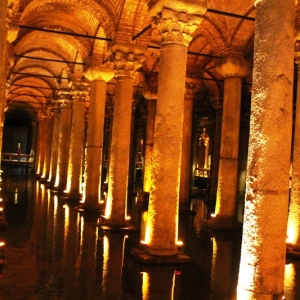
57,39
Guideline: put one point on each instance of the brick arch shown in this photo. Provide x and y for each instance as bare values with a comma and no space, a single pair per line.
84,16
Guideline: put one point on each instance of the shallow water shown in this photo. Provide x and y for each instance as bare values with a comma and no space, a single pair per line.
55,252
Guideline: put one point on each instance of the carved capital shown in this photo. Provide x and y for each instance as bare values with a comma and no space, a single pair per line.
98,71
176,27
232,66
217,103
297,49
13,18
127,58
79,91
64,99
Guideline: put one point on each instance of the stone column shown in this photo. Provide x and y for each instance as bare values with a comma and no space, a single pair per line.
99,76
127,59
54,144
64,142
216,152
74,179
49,121
8,33
40,153
263,254
151,111
185,176
175,29
233,69
293,229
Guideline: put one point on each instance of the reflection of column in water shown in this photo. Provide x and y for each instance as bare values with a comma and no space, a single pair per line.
113,255
289,281
88,255
159,283
55,242
69,249
224,263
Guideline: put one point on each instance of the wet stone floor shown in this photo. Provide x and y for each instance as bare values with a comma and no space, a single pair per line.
52,251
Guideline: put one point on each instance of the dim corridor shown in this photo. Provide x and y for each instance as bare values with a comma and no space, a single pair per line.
55,252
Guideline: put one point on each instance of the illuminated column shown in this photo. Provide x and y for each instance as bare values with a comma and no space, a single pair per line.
263,253
151,110
216,151
94,151
293,230
49,121
40,145
224,258
64,142
8,33
233,69
74,178
175,29
186,149
54,144
127,59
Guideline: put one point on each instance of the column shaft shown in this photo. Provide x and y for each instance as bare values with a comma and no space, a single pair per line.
95,144
48,139
151,110
40,146
186,155
162,223
293,230
263,254
3,63
54,147
63,147
228,163
74,179
119,155
215,156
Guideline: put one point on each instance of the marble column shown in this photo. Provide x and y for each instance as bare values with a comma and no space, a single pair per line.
263,253
99,76
293,229
40,152
151,111
79,92
127,58
64,142
216,151
185,176
175,29
8,33
49,122
233,69
54,144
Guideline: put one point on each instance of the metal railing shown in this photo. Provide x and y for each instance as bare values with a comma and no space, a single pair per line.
17,157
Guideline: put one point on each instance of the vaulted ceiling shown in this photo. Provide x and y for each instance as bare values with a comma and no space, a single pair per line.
54,40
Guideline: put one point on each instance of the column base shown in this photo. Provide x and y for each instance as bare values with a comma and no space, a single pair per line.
142,256
72,197
106,225
243,294
292,251
223,223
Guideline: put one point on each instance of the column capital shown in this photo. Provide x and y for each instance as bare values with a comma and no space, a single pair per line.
98,71
13,18
232,66
64,99
151,86
297,48
176,20
127,58
217,103
79,90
